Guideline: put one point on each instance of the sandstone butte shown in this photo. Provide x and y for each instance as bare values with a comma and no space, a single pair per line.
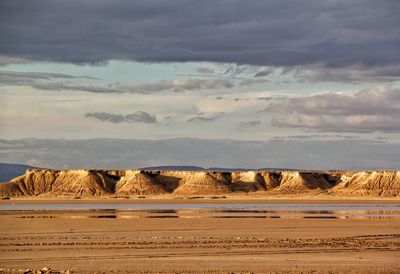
127,183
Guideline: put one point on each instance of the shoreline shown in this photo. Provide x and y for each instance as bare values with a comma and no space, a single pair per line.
202,200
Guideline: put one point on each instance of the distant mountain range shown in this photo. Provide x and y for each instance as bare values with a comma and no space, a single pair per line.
10,171
197,168
183,168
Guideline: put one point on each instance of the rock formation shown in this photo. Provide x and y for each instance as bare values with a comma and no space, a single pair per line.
247,181
300,182
88,183
201,183
385,183
136,182
82,183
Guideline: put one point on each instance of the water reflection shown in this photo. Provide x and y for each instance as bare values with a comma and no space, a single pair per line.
190,207
354,213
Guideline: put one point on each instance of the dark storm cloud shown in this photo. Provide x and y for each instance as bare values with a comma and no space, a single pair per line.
5,60
269,33
125,153
370,110
139,116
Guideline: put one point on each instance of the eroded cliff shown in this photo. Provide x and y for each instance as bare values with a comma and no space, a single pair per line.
122,183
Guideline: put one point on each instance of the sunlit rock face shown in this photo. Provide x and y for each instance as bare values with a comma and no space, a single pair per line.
122,183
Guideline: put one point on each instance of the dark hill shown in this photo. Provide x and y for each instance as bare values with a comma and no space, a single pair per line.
10,171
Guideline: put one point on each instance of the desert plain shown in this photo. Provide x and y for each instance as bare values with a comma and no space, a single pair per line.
145,222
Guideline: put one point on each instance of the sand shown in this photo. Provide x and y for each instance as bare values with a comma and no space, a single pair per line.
53,239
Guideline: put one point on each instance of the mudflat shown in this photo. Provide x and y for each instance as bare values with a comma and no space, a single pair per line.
120,241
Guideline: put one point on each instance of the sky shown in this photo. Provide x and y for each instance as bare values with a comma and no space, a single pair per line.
126,84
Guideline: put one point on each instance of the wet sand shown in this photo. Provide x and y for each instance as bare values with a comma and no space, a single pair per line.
74,241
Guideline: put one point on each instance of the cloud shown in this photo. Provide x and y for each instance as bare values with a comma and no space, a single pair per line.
177,85
205,116
106,117
30,78
136,153
252,123
314,137
86,88
205,70
267,33
137,117
376,109
196,84
250,82
352,74
355,123
141,116
39,75
5,61
51,81
265,98
237,103
236,70
264,72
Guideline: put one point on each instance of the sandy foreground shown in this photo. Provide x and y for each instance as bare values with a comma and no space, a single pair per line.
65,240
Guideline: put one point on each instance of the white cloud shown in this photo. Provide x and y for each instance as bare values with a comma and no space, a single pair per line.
138,116
376,109
249,102
349,74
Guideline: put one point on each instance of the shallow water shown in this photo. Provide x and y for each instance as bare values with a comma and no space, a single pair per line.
199,206
204,210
